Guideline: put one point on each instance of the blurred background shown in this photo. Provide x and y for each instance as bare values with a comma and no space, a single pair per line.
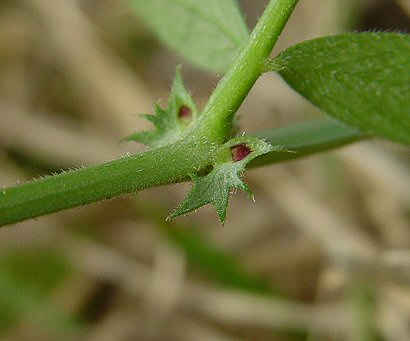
323,254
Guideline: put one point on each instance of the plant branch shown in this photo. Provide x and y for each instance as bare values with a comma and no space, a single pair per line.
193,152
103,181
215,122
136,172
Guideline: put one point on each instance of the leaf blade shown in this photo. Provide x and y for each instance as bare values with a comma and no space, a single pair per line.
362,79
187,27
305,138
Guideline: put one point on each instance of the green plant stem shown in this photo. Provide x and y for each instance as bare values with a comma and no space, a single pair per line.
250,63
163,165
103,181
158,166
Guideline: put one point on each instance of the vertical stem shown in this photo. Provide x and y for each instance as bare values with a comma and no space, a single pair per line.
232,90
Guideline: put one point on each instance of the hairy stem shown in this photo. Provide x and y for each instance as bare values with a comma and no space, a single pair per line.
232,90
103,181
163,165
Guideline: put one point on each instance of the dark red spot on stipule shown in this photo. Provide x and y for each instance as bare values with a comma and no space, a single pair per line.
184,112
240,151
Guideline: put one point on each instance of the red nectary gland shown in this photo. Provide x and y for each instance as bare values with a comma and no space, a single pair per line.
240,151
184,112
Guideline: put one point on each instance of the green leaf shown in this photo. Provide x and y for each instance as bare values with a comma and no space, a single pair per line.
171,122
226,175
362,79
305,138
206,33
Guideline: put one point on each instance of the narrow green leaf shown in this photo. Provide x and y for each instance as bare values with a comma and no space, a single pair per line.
170,122
362,79
305,138
226,175
206,33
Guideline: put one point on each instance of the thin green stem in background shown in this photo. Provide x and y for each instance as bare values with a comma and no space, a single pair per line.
364,305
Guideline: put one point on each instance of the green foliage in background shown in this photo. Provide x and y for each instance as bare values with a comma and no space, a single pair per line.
207,33
361,80
27,279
